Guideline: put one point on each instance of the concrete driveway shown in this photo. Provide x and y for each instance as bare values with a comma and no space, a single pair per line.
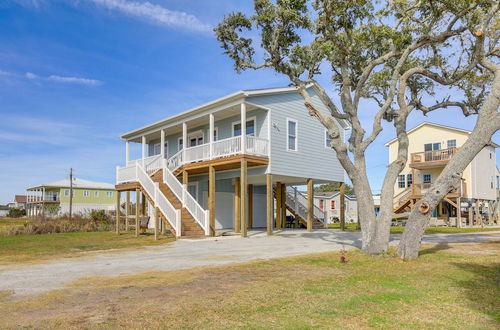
184,254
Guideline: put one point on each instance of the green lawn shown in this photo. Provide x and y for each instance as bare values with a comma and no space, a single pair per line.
450,287
429,230
40,248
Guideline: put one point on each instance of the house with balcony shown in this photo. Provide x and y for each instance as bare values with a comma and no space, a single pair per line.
431,146
232,164
329,202
53,198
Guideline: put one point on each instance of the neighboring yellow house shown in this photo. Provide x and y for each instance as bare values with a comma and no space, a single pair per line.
431,147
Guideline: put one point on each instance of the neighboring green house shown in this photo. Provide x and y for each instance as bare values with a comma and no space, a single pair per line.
53,198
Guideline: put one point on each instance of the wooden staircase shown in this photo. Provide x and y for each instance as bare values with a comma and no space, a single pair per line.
403,202
316,223
189,227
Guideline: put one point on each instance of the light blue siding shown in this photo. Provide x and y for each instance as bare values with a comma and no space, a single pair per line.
312,158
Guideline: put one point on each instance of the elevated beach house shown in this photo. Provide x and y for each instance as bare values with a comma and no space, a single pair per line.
232,164
53,198
431,146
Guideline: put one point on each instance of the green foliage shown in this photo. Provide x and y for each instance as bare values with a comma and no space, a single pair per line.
335,186
16,213
51,209
99,216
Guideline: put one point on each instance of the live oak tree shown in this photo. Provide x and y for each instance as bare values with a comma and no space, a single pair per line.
383,58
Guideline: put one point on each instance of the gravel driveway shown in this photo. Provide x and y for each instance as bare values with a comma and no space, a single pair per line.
183,254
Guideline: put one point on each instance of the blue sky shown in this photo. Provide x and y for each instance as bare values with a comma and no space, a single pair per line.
76,74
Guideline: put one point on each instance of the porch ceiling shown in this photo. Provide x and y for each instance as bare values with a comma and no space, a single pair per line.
196,122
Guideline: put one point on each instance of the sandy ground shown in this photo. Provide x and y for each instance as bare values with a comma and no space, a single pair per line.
184,254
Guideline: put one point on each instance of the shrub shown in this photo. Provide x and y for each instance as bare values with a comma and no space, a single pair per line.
99,216
16,213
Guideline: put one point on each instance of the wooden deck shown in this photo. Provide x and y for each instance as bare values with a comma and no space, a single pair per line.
222,164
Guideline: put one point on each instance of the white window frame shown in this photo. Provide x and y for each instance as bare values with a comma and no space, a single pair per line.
423,176
154,149
96,193
402,183
409,182
448,143
86,193
109,194
288,120
253,118
179,144
66,192
327,138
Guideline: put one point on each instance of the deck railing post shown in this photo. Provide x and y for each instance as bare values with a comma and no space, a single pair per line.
211,135
243,128
178,226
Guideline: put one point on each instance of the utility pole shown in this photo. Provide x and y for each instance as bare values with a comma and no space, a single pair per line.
70,193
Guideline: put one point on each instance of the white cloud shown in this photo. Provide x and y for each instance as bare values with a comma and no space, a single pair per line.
75,80
30,75
155,14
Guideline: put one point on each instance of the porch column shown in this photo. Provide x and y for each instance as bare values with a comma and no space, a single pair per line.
243,128
118,195
143,206
211,134
476,218
310,205
143,149
237,205
137,205
283,205
250,206
127,210
127,152
278,205
43,203
211,199
157,224
471,213
342,206
269,204
184,136
244,192
459,215
162,144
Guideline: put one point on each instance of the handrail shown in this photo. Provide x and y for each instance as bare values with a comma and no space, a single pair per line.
188,201
154,192
300,205
433,155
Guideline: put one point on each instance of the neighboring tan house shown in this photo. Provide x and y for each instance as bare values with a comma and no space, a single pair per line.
330,203
53,198
204,175
431,146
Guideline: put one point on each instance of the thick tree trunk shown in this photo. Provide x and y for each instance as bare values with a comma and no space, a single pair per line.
487,124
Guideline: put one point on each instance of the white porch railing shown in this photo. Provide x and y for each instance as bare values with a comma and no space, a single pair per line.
298,202
136,173
222,148
188,201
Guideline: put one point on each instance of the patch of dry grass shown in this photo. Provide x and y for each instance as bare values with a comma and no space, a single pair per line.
25,249
450,286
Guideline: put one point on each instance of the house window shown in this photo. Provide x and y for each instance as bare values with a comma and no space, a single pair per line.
156,149
180,144
250,127
86,193
409,180
321,204
427,178
66,192
332,205
452,144
401,181
96,194
109,194
328,141
291,130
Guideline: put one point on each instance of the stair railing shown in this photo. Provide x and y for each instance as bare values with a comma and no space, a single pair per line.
172,215
199,214
298,202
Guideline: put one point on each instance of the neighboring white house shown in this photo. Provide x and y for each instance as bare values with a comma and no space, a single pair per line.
204,175
330,203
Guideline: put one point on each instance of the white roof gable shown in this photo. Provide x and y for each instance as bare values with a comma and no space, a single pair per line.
77,183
